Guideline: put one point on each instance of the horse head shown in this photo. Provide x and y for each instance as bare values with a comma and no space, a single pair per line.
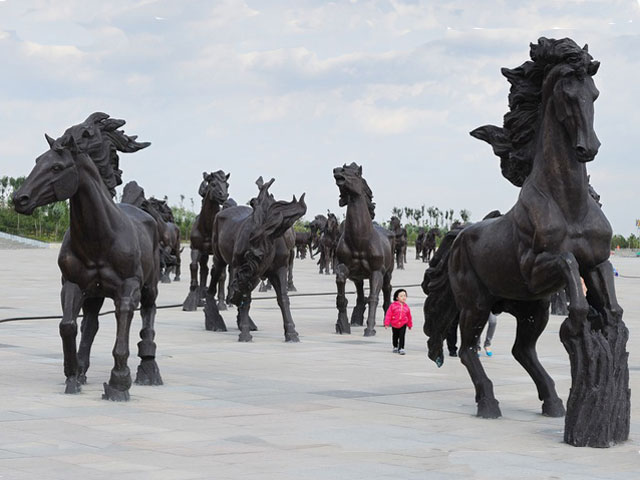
352,184
394,223
54,177
571,93
215,187
256,246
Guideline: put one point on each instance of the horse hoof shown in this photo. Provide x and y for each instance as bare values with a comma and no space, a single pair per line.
176,279
190,303
488,408
82,378
115,395
553,408
369,332
342,330
148,373
291,288
292,337
245,337
222,306
165,280
72,385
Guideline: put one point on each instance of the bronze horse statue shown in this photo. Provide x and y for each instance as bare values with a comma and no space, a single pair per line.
553,235
429,243
400,234
110,250
214,190
316,226
256,242
364,251
327,244
168,231
419,241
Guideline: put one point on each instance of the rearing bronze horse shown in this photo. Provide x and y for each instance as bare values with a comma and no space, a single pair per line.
110,250
553,235
365,250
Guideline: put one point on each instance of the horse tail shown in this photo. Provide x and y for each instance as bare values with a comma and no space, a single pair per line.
440,309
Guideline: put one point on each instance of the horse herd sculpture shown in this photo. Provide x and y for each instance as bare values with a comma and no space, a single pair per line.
554,236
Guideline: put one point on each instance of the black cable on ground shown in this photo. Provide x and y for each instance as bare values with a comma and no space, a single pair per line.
179,305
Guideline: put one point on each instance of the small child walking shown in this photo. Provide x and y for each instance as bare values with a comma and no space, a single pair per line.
398,316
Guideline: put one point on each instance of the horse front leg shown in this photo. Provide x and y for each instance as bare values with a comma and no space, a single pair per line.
71,298
203,262
212,318
278,281
357,315
89,328
532,319
472,322
193,298
126,301
244,322
148,372
375,285
342,325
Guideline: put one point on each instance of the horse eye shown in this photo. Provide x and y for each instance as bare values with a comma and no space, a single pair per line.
86,134
56,168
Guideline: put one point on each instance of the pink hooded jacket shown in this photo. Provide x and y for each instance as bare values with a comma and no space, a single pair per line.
398,315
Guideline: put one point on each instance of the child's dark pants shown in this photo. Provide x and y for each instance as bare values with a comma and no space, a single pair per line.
398,337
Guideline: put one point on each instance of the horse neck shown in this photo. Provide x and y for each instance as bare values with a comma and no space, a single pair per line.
556,169
209,210
93,213
358,222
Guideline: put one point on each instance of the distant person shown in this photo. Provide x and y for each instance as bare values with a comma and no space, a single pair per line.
491,329
399,318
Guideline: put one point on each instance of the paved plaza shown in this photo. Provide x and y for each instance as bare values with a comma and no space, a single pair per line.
330,407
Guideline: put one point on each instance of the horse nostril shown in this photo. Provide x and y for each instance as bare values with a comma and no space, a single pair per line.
22,200
581,151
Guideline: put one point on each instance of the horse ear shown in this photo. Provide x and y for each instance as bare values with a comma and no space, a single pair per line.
227,176
360,170
586,48
204,175
50,140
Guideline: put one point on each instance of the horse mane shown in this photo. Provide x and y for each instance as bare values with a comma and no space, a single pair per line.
515,143
98,136
271,219
163,209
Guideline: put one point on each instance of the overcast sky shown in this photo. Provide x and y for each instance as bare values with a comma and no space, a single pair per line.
292,89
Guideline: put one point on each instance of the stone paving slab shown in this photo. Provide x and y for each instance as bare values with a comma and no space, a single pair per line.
329,407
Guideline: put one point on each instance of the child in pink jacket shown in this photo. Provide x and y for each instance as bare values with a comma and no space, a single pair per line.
398,316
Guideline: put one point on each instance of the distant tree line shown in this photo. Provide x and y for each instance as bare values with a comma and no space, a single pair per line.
48,223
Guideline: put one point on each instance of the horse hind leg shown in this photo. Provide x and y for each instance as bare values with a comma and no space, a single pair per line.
472,322
532,319
222,304
357,315
89,328
148,371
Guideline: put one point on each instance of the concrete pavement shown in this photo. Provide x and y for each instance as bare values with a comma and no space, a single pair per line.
329,407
